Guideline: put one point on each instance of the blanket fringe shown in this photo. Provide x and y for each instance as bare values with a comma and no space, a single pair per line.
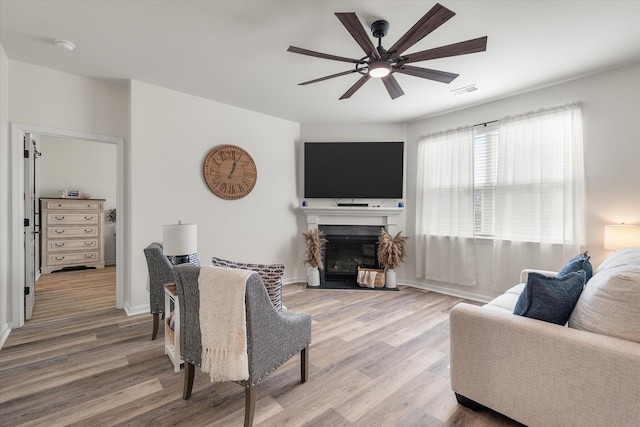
224,365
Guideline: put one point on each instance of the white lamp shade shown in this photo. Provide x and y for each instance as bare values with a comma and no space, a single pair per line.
621,236
180,239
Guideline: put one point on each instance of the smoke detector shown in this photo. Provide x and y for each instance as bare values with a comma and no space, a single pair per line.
65,45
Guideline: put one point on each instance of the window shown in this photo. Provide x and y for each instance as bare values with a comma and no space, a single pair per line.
485,139
525,182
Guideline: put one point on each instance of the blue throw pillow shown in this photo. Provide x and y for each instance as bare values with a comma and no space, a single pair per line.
551,299
577,263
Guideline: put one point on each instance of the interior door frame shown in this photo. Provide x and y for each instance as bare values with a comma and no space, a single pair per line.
29,165
17,212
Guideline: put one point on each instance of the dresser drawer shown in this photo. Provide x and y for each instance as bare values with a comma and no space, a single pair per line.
59,205
71,245
71,218
61,232
72,258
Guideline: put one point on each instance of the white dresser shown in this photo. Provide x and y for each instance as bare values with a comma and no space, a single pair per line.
72,233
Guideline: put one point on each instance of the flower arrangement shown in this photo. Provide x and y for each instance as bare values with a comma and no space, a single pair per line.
391,250
112,216
313,254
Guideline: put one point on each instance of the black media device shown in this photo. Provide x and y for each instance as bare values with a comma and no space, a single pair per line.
358,170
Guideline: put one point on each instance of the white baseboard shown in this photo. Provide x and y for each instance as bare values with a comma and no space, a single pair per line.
448,291
4,334
134,311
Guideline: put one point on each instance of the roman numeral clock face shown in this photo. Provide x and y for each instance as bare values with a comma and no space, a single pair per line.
230,172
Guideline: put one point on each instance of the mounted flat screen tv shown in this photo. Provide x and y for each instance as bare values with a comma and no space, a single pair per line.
358,170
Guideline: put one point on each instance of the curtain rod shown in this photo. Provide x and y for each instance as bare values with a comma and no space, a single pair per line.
485,123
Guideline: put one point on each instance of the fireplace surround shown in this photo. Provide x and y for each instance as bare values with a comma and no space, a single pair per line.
354,232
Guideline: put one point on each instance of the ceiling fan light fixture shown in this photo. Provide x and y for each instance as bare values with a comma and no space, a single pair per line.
379,68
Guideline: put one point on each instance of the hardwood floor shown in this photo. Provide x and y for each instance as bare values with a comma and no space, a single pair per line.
376,359
68,293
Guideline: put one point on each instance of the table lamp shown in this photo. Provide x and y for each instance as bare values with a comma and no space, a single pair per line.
621,236
179,241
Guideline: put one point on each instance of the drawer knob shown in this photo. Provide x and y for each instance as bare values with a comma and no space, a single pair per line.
88,255
88,243
58,218
58,245
59,231
59,258
88,218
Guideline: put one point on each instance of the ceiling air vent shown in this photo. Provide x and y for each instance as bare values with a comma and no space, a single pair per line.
466,89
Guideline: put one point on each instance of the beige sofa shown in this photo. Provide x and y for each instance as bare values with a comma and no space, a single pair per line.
543,374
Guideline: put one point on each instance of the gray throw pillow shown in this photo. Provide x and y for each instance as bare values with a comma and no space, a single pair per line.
551,299
271,275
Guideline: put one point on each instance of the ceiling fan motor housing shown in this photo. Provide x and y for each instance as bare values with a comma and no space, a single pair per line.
380,28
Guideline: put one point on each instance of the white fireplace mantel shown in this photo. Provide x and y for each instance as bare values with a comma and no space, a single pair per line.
352,215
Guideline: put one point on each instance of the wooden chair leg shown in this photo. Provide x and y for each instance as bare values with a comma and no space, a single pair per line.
189,370
304,364
156,323
249,405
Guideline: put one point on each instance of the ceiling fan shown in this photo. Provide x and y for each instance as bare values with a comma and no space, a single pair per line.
382,63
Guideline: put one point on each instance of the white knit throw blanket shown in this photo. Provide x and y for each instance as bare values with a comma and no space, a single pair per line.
223,323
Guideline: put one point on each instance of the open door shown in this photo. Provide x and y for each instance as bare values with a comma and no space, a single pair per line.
30,225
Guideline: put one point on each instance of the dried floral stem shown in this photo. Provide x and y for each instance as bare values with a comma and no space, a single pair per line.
391,250
313,254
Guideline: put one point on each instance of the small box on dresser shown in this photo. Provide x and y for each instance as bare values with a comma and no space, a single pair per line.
72,233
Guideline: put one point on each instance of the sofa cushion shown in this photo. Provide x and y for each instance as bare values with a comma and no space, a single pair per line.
577,263
551,299
627,257
271,275
507,301
610,302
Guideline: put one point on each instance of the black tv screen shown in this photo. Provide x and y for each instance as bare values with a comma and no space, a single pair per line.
363,170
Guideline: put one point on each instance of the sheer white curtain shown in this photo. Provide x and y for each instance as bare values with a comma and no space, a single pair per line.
444,208
540,192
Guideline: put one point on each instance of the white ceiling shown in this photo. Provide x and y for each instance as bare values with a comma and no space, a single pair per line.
235,51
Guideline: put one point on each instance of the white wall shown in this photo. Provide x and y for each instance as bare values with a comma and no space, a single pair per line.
171,134
611,110
5,173
45,97
85,165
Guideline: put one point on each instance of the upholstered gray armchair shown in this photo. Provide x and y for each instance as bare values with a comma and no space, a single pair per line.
160,273
273,337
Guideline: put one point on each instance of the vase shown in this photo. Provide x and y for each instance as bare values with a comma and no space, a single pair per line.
390,278
313,277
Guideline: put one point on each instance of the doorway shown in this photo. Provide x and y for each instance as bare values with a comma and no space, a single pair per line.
18,132
63,166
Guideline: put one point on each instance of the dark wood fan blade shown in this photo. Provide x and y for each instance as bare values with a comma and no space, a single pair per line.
355,87
437,16
353,25
426,73
462,48
344,73
307,52
392,86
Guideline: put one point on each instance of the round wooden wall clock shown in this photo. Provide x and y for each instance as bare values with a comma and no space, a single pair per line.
230,172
